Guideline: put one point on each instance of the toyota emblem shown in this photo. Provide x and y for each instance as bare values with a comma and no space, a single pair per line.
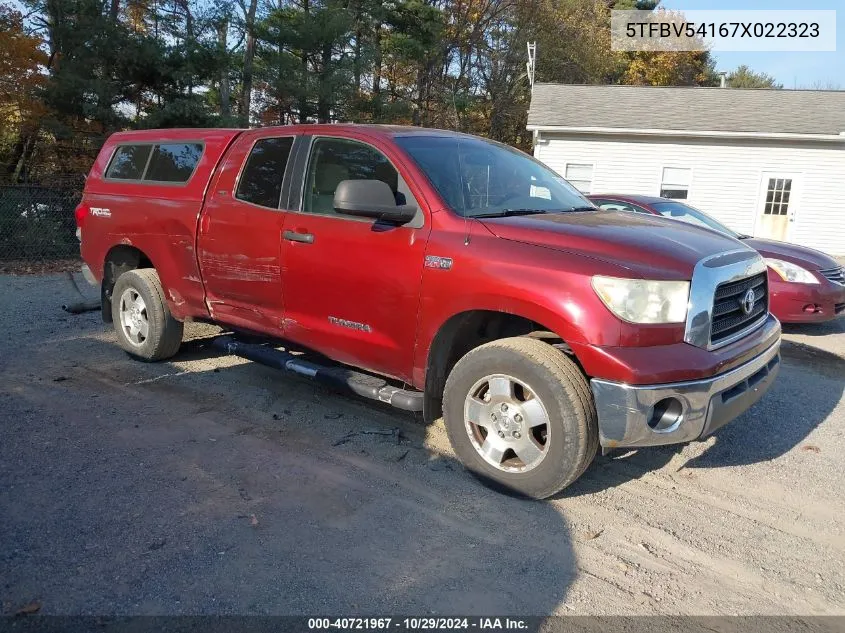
747,303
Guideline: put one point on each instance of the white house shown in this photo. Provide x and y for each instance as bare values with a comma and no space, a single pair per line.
770,163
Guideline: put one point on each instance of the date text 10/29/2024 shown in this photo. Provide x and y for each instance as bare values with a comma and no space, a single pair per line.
402,624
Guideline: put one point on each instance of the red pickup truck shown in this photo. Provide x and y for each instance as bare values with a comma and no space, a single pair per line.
458,276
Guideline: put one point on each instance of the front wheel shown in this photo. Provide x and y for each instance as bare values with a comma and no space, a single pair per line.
520,416
143,323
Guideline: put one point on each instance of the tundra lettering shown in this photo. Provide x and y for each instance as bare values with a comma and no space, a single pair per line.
474,283
363,327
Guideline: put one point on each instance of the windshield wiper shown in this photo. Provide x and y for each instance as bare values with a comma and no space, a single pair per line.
508,212
584,208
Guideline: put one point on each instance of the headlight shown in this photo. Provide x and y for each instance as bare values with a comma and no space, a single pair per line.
791,272
644,301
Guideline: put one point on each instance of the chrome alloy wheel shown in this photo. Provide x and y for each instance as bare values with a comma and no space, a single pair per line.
507,423
133,317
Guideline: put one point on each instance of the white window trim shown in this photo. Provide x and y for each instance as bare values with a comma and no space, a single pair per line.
675,166
592,167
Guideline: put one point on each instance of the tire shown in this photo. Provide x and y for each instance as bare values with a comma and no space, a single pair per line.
533,370
142,321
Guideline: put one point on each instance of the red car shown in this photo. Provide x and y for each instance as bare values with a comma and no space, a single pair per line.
806,285
462,278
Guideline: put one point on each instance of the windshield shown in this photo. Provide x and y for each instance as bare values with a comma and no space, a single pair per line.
478,178
685,213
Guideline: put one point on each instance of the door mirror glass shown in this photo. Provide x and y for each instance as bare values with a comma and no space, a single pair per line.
371,199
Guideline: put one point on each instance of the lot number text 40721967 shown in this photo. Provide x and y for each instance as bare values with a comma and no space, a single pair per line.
419,624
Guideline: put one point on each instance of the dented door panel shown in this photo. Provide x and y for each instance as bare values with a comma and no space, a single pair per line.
239,248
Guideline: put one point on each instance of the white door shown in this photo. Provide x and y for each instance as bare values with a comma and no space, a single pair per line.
777,201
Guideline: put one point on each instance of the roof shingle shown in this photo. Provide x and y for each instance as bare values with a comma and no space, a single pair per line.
693,109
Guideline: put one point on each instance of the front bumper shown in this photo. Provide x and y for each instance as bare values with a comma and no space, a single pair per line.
628,416
806,303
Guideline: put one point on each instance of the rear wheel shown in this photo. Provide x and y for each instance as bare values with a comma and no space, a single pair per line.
520,416
143,323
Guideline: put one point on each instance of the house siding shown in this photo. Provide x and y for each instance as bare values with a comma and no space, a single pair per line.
726,176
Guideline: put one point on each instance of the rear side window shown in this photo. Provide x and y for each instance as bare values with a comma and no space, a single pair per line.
165,162
264,171
173,162
129,162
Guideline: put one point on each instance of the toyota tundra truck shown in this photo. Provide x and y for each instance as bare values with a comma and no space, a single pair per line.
436,272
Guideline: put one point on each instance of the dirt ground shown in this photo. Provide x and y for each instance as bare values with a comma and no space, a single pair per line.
210,485
24,267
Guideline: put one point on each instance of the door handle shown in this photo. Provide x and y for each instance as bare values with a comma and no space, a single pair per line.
294,236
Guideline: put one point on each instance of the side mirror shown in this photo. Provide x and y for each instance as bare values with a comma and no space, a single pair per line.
371,199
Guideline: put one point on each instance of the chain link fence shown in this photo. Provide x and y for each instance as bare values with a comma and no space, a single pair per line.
37,222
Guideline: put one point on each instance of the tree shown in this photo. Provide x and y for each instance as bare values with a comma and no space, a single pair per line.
21,83
305,55
573,39
822,85
744,77
249,56
96,66
642,5
669,68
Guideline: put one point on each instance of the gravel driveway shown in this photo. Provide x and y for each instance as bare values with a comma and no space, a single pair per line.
212,485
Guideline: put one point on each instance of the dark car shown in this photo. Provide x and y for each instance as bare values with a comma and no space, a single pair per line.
806,285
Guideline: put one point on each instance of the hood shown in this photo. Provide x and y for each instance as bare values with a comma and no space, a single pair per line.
808,258
643,244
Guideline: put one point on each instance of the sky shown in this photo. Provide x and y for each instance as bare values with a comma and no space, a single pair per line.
793,70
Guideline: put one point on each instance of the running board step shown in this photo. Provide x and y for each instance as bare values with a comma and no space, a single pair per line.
339,378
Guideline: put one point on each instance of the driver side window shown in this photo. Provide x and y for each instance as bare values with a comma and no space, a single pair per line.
335,160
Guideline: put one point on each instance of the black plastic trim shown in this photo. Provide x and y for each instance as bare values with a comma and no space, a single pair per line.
295,178
337,377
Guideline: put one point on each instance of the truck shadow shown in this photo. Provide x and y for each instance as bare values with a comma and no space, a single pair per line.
304,501
774,426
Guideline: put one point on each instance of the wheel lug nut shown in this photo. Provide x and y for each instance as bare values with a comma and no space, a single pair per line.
504,407
516,434
501,434
517,418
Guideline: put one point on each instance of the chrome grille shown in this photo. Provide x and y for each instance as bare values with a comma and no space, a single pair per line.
836,275
729,316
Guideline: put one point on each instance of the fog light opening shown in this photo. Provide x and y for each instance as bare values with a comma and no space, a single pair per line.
812,308
666,415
